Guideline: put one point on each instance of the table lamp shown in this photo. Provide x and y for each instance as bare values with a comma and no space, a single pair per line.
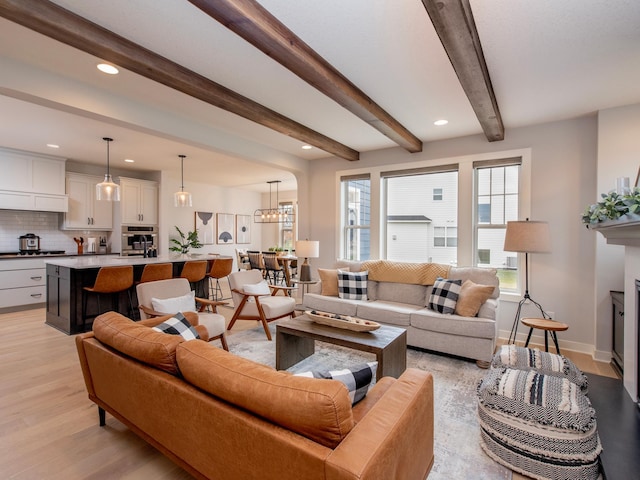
307,249
526,237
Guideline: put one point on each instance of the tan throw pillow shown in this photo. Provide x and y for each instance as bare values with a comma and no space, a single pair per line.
329,280
471,298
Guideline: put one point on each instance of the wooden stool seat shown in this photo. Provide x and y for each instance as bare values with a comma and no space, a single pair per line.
547,325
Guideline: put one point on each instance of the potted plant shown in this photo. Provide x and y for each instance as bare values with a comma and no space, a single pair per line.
186,242
612,206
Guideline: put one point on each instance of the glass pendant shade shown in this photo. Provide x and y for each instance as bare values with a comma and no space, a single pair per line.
182,198
108,190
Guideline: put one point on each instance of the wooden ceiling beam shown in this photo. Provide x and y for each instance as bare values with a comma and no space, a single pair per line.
454,23
60,24
255,24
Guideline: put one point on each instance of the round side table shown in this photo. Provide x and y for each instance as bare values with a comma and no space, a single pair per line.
549,326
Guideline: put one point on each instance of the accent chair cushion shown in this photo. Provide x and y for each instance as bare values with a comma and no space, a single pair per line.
178,325
352,285
471,298
358,379
444,295
184,303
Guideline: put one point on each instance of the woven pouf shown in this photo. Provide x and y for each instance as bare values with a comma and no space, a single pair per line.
542,426
522,358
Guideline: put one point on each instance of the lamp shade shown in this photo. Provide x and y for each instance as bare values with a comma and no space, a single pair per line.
308,248
527,237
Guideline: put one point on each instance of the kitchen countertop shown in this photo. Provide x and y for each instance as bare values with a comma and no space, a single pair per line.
93,261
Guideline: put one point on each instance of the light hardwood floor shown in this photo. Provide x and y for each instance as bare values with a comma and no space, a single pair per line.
48,427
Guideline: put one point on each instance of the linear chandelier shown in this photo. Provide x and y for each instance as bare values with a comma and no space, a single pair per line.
277,214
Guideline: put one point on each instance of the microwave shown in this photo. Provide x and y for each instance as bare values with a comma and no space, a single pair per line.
136,239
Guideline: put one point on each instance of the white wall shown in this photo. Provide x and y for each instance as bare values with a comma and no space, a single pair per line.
618,267
563,182
206,198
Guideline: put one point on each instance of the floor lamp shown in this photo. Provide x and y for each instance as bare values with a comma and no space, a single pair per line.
526,237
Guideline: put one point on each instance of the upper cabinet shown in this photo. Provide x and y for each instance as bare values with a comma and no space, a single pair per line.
85,212
138,201
30,181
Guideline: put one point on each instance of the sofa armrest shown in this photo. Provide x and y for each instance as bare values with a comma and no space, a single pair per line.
489,309
394,439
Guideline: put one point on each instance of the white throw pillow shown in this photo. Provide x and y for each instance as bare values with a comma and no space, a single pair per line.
185,303
261,288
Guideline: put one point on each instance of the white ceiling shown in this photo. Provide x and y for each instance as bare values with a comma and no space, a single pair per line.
548,60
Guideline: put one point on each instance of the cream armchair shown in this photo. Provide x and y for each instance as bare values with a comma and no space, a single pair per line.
254,299
175,295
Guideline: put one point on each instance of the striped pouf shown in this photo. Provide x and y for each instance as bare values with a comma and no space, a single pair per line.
542,426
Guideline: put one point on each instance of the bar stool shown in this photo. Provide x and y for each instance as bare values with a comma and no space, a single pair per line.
220,268
110,281
156,271
195,271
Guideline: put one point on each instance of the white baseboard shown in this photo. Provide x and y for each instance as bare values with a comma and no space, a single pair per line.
537,341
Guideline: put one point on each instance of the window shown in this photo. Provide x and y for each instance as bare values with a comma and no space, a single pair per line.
287,228
421,225
356,194
497,192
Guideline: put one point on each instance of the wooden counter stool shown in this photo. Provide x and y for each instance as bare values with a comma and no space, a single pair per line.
110,281
195,271
549,326
156,271
220,268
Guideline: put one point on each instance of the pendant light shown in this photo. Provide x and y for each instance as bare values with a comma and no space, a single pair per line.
277,214
182,198
108,190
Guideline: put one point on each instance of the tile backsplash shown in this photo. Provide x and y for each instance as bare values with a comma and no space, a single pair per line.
47,225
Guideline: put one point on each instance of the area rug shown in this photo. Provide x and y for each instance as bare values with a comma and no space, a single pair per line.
457,450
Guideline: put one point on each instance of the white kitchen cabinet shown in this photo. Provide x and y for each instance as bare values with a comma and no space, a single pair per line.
31,181
85,212
138,201
22,282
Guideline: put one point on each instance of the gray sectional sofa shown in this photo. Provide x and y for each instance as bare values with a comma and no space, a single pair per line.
398,294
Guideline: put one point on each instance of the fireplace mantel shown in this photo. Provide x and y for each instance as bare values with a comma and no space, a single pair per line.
624,231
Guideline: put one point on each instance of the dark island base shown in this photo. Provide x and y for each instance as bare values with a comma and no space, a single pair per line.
64,296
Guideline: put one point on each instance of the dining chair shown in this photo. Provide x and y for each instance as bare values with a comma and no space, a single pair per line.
255,299
256,261
243,259
273,269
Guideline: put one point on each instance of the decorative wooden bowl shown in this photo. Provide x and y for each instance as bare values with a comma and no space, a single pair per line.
342,321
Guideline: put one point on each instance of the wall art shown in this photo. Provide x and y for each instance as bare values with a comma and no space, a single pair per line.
225,228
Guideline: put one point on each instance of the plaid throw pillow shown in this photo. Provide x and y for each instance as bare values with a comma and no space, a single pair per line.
352,285
358,379
178,325
444,295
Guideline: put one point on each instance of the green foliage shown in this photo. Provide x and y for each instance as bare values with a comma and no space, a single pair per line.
186,242
612,206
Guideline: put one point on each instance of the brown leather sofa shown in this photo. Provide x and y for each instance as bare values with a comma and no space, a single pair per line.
220,416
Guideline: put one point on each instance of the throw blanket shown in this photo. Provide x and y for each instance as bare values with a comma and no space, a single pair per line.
398,272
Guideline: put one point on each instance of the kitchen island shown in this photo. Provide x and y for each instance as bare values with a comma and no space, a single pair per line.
66,277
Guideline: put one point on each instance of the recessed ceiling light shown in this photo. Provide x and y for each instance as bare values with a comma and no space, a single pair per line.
128,160
52,145
441,122
307,147
106,68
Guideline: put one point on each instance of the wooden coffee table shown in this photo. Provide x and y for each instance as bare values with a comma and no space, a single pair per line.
295,341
